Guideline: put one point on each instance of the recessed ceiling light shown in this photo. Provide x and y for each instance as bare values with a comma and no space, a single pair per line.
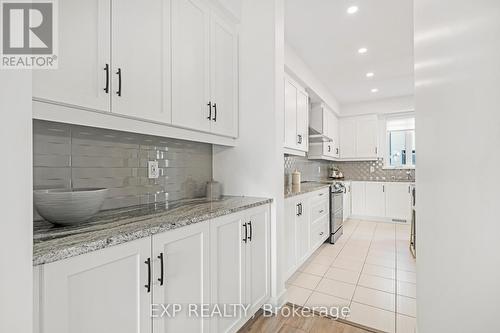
352,9
374,90
362,50
370,74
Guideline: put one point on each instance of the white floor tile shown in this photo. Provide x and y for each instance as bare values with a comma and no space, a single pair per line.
405,324
373,317
317,300
336,288
297,295
381,271
305,280
406,289
376,298
381,262
406,306
315,269
323,260
342,275
376,282
406,276
350,265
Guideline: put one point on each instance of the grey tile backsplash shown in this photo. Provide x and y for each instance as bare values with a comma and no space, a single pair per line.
313,170
67,156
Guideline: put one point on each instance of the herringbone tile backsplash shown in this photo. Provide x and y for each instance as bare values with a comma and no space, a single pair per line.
67,156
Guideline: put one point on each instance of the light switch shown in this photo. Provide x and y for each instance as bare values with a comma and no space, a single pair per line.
372,169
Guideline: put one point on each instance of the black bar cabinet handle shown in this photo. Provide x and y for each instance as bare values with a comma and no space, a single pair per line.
209,111
215,112
106,69
251,231
148,286
246,233
119,73
161,269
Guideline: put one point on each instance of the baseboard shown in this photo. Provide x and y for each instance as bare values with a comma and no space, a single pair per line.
378,219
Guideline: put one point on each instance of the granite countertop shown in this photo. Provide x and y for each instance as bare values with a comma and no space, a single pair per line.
305,187
113,227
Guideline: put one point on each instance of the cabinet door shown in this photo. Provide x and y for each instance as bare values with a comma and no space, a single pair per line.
302,227
302,120
346,202
366,137
375,199
358,199
100,292
257,259
185,279
333,125
290,115
223,77
291,212
84,52
397,201
227,268
348,138
190,65
141,59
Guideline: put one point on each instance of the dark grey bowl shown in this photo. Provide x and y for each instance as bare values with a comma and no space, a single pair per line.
69,206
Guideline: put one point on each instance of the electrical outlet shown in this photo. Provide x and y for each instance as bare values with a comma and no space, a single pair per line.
153,171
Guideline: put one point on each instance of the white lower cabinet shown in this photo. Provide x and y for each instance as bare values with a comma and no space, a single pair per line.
375,199
387,201
306,227
225,262
347,201
181,276
398,201
240,265
100,292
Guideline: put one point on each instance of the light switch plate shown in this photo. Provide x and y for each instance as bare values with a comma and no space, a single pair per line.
372,169
153,171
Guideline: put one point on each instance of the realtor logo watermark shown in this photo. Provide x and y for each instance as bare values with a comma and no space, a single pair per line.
29,34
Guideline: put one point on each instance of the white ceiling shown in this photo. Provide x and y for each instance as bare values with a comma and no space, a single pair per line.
327,39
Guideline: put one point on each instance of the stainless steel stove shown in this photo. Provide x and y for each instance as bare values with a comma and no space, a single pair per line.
337,191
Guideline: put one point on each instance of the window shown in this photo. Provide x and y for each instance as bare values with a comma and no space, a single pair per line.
400,142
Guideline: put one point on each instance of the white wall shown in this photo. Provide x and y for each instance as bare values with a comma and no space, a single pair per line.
381,106
457,57
255,167
16,235
301,72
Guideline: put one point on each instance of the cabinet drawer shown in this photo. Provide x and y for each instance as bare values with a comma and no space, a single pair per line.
319,208
319,231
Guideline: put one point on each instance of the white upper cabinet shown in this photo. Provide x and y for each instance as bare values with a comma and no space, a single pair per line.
290,115
169,62
84,57
190,65
366,137
302,120
224,77
358,137
204,70
325,128
100,292
181,275
141,59
296,117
